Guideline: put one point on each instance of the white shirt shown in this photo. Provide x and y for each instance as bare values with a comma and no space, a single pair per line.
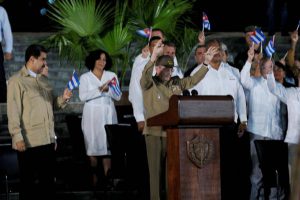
135,94
291,97
5,31
264,107
223,82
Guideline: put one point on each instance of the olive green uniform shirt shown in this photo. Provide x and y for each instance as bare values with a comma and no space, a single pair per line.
30,109
156,93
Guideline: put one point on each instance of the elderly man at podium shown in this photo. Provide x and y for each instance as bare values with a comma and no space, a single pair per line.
157,91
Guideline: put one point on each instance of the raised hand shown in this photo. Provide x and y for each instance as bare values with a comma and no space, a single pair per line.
210,53
250,54
157,50
201,38
145,51
294,37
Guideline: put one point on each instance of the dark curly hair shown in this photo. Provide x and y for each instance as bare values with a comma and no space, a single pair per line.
90,60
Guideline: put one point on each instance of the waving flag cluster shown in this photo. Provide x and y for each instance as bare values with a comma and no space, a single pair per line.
205,22
257,36
114,85
74,81
146,33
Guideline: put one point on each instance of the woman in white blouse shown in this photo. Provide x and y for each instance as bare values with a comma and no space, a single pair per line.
99,109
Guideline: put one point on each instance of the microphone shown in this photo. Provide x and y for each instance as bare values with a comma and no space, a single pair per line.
194,93
186,93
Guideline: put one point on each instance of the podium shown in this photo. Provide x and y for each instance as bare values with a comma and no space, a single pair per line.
192,124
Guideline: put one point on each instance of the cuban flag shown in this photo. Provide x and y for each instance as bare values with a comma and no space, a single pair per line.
257,36
114,85
205,22
270,49
146,33
74,81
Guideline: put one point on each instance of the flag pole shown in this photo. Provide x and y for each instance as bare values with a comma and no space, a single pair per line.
150,35
260,47
285,55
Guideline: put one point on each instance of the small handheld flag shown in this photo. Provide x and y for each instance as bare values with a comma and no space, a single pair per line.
146,33
257,36
74,81
205,22
270,49
114,85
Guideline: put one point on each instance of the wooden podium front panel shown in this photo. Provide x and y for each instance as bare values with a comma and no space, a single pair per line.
186,180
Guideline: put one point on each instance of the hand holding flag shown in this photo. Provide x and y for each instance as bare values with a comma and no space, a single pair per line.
114,85
205,22
74,81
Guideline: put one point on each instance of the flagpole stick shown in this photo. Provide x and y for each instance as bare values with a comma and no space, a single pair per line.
150,35
202,28
297,27
285,55
261,47
104,86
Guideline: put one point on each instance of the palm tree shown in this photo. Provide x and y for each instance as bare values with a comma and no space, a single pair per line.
117,41
80,23
163,14
188,43
84,26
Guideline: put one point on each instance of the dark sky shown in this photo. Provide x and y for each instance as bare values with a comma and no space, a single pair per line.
224,15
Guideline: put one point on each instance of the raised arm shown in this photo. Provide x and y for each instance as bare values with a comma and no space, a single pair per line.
290,58
276,89
191,81
246,79
146,79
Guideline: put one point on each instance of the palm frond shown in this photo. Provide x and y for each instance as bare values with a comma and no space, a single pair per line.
186,48
81,16
161,14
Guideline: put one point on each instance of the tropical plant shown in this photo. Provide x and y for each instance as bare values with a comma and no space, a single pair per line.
187,44
117,41
80,23
84,26
162,14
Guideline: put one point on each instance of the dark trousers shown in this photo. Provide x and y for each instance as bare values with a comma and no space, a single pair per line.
37,167
235,164
3,89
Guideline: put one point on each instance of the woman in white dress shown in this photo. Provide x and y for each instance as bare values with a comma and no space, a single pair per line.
96,91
